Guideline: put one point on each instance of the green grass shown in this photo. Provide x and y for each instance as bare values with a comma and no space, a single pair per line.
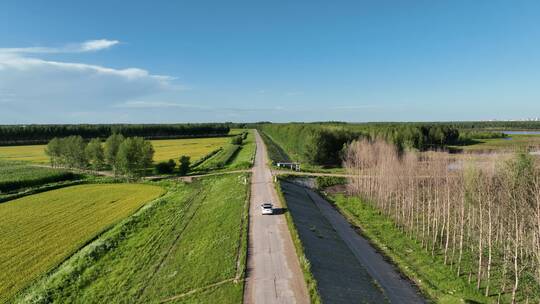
244,158
513,142
231,157
275,152
175,249
32,153
221,159
195,148
38,232
17,175
436,280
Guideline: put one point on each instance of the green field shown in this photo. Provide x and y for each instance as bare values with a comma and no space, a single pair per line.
33,153
165,149
187,247
231,156
17,175
38,232
195,148
512,143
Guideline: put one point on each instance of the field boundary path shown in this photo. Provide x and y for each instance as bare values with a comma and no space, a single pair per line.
396,288
273,272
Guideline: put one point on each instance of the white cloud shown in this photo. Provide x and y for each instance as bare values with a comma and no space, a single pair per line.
96,45
87,46
52,88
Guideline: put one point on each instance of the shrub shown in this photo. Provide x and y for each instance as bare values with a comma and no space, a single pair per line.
165,167
183,168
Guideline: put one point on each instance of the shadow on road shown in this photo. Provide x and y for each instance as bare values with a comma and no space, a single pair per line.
278,211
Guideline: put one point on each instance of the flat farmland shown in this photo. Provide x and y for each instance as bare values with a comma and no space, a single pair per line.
165,149
38,232
195,148
33,153
187,247
17,175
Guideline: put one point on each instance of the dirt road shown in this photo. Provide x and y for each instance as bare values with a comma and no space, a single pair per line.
273,271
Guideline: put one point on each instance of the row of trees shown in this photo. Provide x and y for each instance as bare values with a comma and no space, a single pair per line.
130,156
310,143
323,144
29,134
418,136
481,216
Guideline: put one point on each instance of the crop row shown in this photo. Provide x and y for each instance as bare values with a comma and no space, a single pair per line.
15,176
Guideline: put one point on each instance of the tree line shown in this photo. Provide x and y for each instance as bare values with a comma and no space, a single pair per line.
129,156
34,134
323,144
480,216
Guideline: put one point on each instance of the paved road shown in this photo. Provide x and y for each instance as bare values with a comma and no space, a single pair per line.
273,271
397,289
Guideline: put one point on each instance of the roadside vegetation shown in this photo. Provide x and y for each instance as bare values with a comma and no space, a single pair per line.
189,246
237,154
40,231
480,222
321,145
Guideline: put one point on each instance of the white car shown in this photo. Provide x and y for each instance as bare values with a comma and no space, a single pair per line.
267,208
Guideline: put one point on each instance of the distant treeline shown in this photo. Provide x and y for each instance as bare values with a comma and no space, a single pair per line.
498,125
322,144
419,136
36,134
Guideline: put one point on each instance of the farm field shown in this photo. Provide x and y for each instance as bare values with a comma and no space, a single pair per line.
165,149
195,148
32,153
187,247
17,175
38,232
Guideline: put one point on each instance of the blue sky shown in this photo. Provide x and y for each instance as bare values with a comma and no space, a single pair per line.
190,61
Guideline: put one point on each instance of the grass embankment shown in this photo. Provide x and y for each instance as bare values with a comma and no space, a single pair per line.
17,175
436,280
38,232
277,154
315,297
187,247
230,157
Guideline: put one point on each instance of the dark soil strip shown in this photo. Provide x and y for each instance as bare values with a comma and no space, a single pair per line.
340,276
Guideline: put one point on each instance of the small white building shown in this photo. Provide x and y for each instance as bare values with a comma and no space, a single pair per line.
293,166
